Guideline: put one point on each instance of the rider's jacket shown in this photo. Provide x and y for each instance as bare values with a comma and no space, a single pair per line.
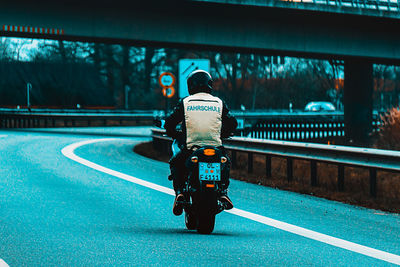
205,120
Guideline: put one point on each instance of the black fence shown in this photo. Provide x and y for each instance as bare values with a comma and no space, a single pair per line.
316,129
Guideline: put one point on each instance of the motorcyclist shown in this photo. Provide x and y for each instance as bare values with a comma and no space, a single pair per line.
205,120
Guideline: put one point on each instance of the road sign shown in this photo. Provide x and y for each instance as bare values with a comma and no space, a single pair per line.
187,66
166,79
168,91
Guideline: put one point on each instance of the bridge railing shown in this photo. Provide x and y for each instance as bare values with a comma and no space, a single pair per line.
305,131
341,156
304,127
384,5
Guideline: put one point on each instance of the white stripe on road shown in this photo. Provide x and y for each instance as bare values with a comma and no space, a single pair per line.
68,151
3,136
3,263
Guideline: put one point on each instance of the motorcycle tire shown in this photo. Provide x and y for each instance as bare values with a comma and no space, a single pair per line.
206,222
190,221
206,211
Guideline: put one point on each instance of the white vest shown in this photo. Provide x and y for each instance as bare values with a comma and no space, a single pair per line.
203,119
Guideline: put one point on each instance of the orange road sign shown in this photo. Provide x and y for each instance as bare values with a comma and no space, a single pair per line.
168,91
166,79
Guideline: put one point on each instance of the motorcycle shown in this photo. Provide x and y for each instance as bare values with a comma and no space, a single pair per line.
208,170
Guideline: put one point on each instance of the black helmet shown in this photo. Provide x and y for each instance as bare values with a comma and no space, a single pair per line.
199,81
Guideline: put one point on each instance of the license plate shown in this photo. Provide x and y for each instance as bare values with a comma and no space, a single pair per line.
209,171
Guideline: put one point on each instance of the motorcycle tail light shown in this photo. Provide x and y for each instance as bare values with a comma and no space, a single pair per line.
210,185
224,159
209,152
194,159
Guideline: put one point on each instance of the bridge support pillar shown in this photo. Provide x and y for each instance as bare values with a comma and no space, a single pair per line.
358,89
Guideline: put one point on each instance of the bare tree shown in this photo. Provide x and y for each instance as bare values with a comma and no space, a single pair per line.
5,49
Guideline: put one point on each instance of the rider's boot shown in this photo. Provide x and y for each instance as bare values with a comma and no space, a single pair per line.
225,200
177,209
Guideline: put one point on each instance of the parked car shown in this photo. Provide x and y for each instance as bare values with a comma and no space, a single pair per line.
320,106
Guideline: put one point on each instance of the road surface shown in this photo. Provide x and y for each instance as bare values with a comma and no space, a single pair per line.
81,197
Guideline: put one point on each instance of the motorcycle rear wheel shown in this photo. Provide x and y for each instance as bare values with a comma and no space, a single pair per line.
190,221
206,222
206,211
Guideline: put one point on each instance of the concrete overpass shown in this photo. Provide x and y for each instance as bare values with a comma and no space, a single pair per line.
358,36
283,28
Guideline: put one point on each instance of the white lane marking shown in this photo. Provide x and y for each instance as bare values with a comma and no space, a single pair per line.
3,263
3,136
68,151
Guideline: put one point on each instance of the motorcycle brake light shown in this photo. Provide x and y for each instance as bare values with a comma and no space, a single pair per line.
209,152
210,185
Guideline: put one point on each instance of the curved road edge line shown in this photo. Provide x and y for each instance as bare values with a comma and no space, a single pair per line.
68,152
3,263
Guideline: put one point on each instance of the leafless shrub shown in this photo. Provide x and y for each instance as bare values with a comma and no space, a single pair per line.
389,131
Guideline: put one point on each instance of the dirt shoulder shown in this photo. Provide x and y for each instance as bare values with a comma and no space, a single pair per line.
356,180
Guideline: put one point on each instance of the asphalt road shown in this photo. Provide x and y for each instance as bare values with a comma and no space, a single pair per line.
81,197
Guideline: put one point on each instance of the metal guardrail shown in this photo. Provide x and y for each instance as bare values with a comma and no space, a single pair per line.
10,118
342,156
320,127
75,112
18,118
